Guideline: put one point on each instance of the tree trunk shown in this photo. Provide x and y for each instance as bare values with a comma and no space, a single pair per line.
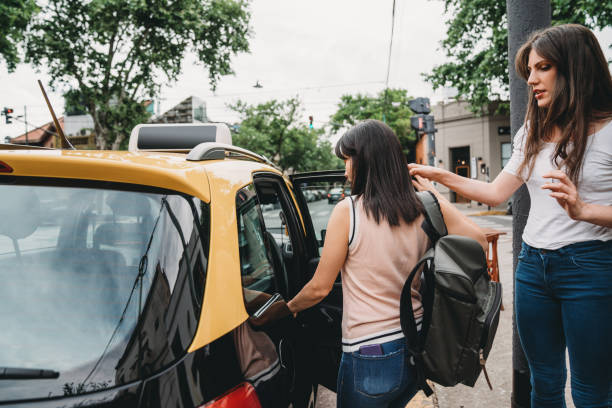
100,130
117,142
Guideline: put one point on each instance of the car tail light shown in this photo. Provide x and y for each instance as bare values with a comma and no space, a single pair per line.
241,396
5,168
328,195
342,195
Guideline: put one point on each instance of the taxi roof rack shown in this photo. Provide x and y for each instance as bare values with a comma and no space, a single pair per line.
219,151
176,137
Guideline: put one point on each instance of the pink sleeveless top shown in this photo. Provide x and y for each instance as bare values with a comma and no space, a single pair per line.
379,260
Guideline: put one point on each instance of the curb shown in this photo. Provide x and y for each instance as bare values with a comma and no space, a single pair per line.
491,212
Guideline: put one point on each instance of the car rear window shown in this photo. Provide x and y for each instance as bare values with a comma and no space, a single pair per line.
100,284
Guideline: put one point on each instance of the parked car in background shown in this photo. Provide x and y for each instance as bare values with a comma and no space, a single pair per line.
140,278
338,193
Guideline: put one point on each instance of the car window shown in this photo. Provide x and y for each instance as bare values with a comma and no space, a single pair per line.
256,270
324,196
274,213
93,277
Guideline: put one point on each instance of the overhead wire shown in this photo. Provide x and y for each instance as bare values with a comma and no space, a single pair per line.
390,45
385,103
287,90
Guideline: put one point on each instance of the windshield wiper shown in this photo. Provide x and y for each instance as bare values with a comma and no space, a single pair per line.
12,373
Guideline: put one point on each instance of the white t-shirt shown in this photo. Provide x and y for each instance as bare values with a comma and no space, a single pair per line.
548,225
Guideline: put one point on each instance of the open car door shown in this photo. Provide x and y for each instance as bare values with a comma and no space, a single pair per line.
317,193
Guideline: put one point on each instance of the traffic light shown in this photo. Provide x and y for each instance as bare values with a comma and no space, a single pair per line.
8,115
416,122
429,124
423,123
310,122
420,105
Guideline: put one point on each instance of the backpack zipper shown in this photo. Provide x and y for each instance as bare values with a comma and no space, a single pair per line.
484,369
486,327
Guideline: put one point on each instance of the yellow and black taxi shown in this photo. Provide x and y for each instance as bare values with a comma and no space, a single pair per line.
142,278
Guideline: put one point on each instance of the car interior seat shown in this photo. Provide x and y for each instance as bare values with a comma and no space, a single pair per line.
21,216
280,271
130,228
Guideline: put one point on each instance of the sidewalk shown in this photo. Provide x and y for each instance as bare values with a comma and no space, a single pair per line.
480,210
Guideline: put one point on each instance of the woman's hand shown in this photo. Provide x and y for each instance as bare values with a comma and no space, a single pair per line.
566,194
335,250
428,172
423,184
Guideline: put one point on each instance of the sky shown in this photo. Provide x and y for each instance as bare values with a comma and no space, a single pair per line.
316,50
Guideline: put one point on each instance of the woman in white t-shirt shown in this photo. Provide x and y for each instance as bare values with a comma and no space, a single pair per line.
563,153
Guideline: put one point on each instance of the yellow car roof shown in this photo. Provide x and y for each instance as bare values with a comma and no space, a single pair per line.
165,170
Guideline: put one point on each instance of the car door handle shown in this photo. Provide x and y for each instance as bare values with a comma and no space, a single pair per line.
259,312
326,314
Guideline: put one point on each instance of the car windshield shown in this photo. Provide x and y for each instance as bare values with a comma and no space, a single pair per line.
336,191
82,269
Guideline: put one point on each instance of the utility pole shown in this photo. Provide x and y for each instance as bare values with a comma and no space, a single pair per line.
524,17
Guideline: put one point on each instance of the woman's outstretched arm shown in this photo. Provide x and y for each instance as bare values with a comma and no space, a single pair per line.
493,194
456,222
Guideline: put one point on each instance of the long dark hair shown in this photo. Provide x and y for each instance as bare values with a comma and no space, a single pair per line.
379,172
582,94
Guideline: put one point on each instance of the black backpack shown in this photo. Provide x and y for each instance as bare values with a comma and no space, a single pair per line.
461,307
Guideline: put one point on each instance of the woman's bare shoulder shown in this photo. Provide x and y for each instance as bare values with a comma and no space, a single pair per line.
344,206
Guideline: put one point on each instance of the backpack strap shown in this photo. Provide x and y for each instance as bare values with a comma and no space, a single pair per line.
434,224
353,222
415,340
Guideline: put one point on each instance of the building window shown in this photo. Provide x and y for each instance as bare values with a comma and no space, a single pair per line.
506,152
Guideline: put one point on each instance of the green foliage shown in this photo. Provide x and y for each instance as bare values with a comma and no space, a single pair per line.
118,52
15,16
274,129
393,104
476,44
74,103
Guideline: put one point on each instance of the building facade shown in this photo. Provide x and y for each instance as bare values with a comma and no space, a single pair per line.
475,146
190,110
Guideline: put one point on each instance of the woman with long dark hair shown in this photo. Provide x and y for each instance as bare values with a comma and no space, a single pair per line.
563,153
375,238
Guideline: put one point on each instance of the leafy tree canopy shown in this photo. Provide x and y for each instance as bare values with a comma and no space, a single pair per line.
74,103
390,106
476,44
15,16
117,52
274,129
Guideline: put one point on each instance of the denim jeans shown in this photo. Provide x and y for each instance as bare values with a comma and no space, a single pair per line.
563,298
388,380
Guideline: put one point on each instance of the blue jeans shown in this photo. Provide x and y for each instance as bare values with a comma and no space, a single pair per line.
388,380
563,298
